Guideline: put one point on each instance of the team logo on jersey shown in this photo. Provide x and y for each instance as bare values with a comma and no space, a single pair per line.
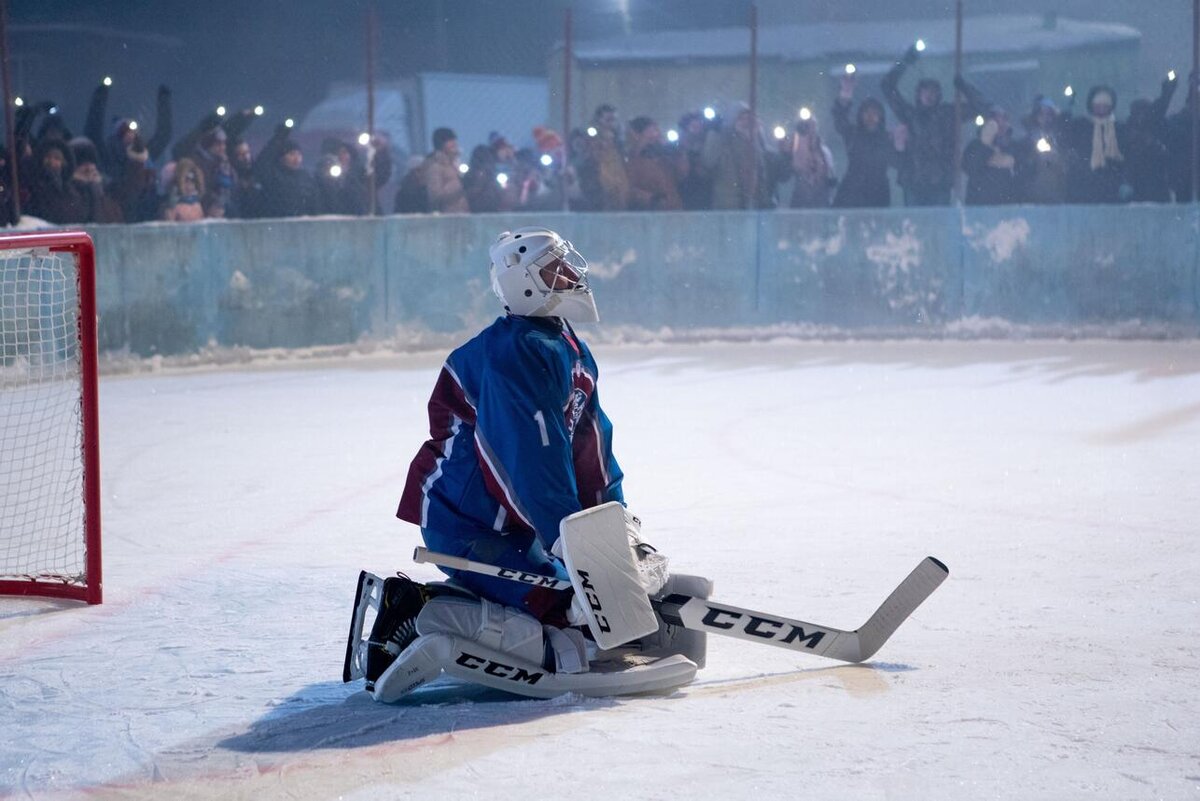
583,385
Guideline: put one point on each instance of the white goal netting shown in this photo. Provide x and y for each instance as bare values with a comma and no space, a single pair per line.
41,426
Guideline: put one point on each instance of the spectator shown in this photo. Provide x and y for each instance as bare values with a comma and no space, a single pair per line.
1147,164
695,178
135,188
744,172
869,151
101,208
1041,158
602,174
289,191
443,181
114,150
412,197
211,156
651,173
1095,163
483,191
246,202
53,196
553,180
185,193
811,164
536,188
928,176
990,162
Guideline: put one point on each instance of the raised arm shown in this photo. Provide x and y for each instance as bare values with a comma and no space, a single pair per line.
891,87
163,123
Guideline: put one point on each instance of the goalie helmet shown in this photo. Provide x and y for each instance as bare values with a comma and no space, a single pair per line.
537,273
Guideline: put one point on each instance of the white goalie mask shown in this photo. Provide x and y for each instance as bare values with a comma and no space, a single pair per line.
537,273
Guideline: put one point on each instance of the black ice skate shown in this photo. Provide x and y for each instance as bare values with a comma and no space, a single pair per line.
395,625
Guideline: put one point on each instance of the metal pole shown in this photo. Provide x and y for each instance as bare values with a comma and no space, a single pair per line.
752,189
958,106
372,24
10,135
1194,99
568,57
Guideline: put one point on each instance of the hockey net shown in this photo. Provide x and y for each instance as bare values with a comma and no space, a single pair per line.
49,461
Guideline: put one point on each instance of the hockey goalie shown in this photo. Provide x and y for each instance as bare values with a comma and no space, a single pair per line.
518,497
518,443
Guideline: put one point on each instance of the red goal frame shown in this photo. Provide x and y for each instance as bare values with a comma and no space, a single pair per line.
79,244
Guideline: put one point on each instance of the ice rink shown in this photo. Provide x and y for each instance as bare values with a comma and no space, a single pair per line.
1061,660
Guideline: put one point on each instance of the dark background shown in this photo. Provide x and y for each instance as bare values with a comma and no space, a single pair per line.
284,54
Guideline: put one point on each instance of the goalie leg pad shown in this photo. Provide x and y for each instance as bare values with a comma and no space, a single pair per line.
505,630
676,639
421,661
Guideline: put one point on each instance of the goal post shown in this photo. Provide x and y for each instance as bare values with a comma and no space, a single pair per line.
49,420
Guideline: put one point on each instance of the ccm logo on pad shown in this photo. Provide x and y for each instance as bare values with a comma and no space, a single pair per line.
527,578
497,669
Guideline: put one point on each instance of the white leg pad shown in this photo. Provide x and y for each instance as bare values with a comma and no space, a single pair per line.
422,661
499,628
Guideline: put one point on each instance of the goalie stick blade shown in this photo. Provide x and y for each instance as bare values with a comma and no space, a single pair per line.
904,600
798,635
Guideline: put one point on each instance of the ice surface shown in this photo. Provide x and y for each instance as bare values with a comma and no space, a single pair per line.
1060,660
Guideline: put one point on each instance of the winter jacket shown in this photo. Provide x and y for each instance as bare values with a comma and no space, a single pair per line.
739,166
289,193
992,178
930,152
443,183
54,197
652,181
603,175
869,154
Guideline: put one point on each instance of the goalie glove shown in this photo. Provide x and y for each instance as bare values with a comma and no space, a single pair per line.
651,565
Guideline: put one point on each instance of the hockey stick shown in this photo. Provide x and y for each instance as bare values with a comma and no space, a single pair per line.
701,614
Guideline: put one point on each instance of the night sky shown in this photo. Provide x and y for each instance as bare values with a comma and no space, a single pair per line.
284,54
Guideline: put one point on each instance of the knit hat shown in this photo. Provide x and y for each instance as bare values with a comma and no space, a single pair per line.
83,150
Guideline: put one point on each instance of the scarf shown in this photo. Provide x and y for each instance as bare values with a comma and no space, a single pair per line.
1104,141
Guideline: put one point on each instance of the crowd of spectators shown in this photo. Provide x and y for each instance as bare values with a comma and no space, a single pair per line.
707,161
114,174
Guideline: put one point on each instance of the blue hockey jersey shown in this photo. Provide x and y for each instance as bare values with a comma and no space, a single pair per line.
517,439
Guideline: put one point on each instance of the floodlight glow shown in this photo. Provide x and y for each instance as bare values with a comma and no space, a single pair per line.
1043,145
780,132
672,136
546,160
920,45
220,111
851,69
107,81
258,111
364,138
710,113
805,113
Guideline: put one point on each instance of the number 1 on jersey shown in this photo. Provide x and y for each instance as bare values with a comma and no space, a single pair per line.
541,421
